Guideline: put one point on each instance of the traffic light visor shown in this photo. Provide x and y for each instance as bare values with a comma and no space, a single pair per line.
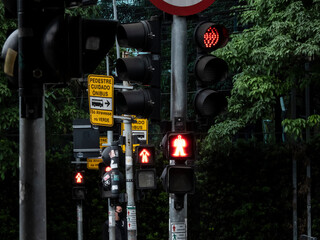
210,36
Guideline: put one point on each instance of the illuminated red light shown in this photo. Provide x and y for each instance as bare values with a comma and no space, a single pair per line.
144,154
79,178
211,37
179,144
108,169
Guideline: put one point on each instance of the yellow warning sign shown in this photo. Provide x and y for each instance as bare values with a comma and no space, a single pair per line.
100,93
103,140
93,163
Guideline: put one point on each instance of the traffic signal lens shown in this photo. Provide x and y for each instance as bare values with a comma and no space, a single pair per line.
181,146
108,169
79,178
211,37
144,155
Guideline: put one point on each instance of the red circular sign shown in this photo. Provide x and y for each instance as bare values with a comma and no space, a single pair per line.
182,7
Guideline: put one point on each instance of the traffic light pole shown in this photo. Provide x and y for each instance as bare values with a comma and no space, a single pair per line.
131,208
111,207
32,174
178,218
80,220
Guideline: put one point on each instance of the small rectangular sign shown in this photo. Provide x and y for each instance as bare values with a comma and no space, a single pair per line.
93,163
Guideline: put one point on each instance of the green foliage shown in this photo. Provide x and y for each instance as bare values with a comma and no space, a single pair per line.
268,59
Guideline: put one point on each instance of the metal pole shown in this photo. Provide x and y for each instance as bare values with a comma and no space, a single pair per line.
80,220
309,221
131,208
114,4
32,165
32,179
178,108
112,220
111,208
294,171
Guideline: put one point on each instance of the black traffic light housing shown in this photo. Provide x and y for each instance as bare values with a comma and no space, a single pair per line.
74,46
144,69
209,69
62,46
112,178
178,179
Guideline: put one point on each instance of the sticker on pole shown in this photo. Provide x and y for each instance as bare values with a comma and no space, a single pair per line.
182,7
131,218
100,93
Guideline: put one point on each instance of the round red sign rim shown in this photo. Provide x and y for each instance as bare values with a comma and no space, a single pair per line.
182,11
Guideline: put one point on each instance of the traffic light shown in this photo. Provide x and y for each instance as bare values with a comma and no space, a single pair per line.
146,174
78,190
61,46
144,69
112,178
73,46
178,179
209,69
180,146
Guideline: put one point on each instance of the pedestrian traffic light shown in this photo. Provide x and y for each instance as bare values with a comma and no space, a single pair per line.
78,190
209,69
146,173
178,179
180,146
144,69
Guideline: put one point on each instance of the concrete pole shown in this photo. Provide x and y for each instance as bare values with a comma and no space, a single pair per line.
178,109
80,220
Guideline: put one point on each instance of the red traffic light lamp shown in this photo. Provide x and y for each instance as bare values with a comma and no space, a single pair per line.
145,155
78,190
79,178
210,36
180,146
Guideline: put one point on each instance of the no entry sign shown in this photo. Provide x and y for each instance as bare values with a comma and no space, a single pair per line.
182,7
